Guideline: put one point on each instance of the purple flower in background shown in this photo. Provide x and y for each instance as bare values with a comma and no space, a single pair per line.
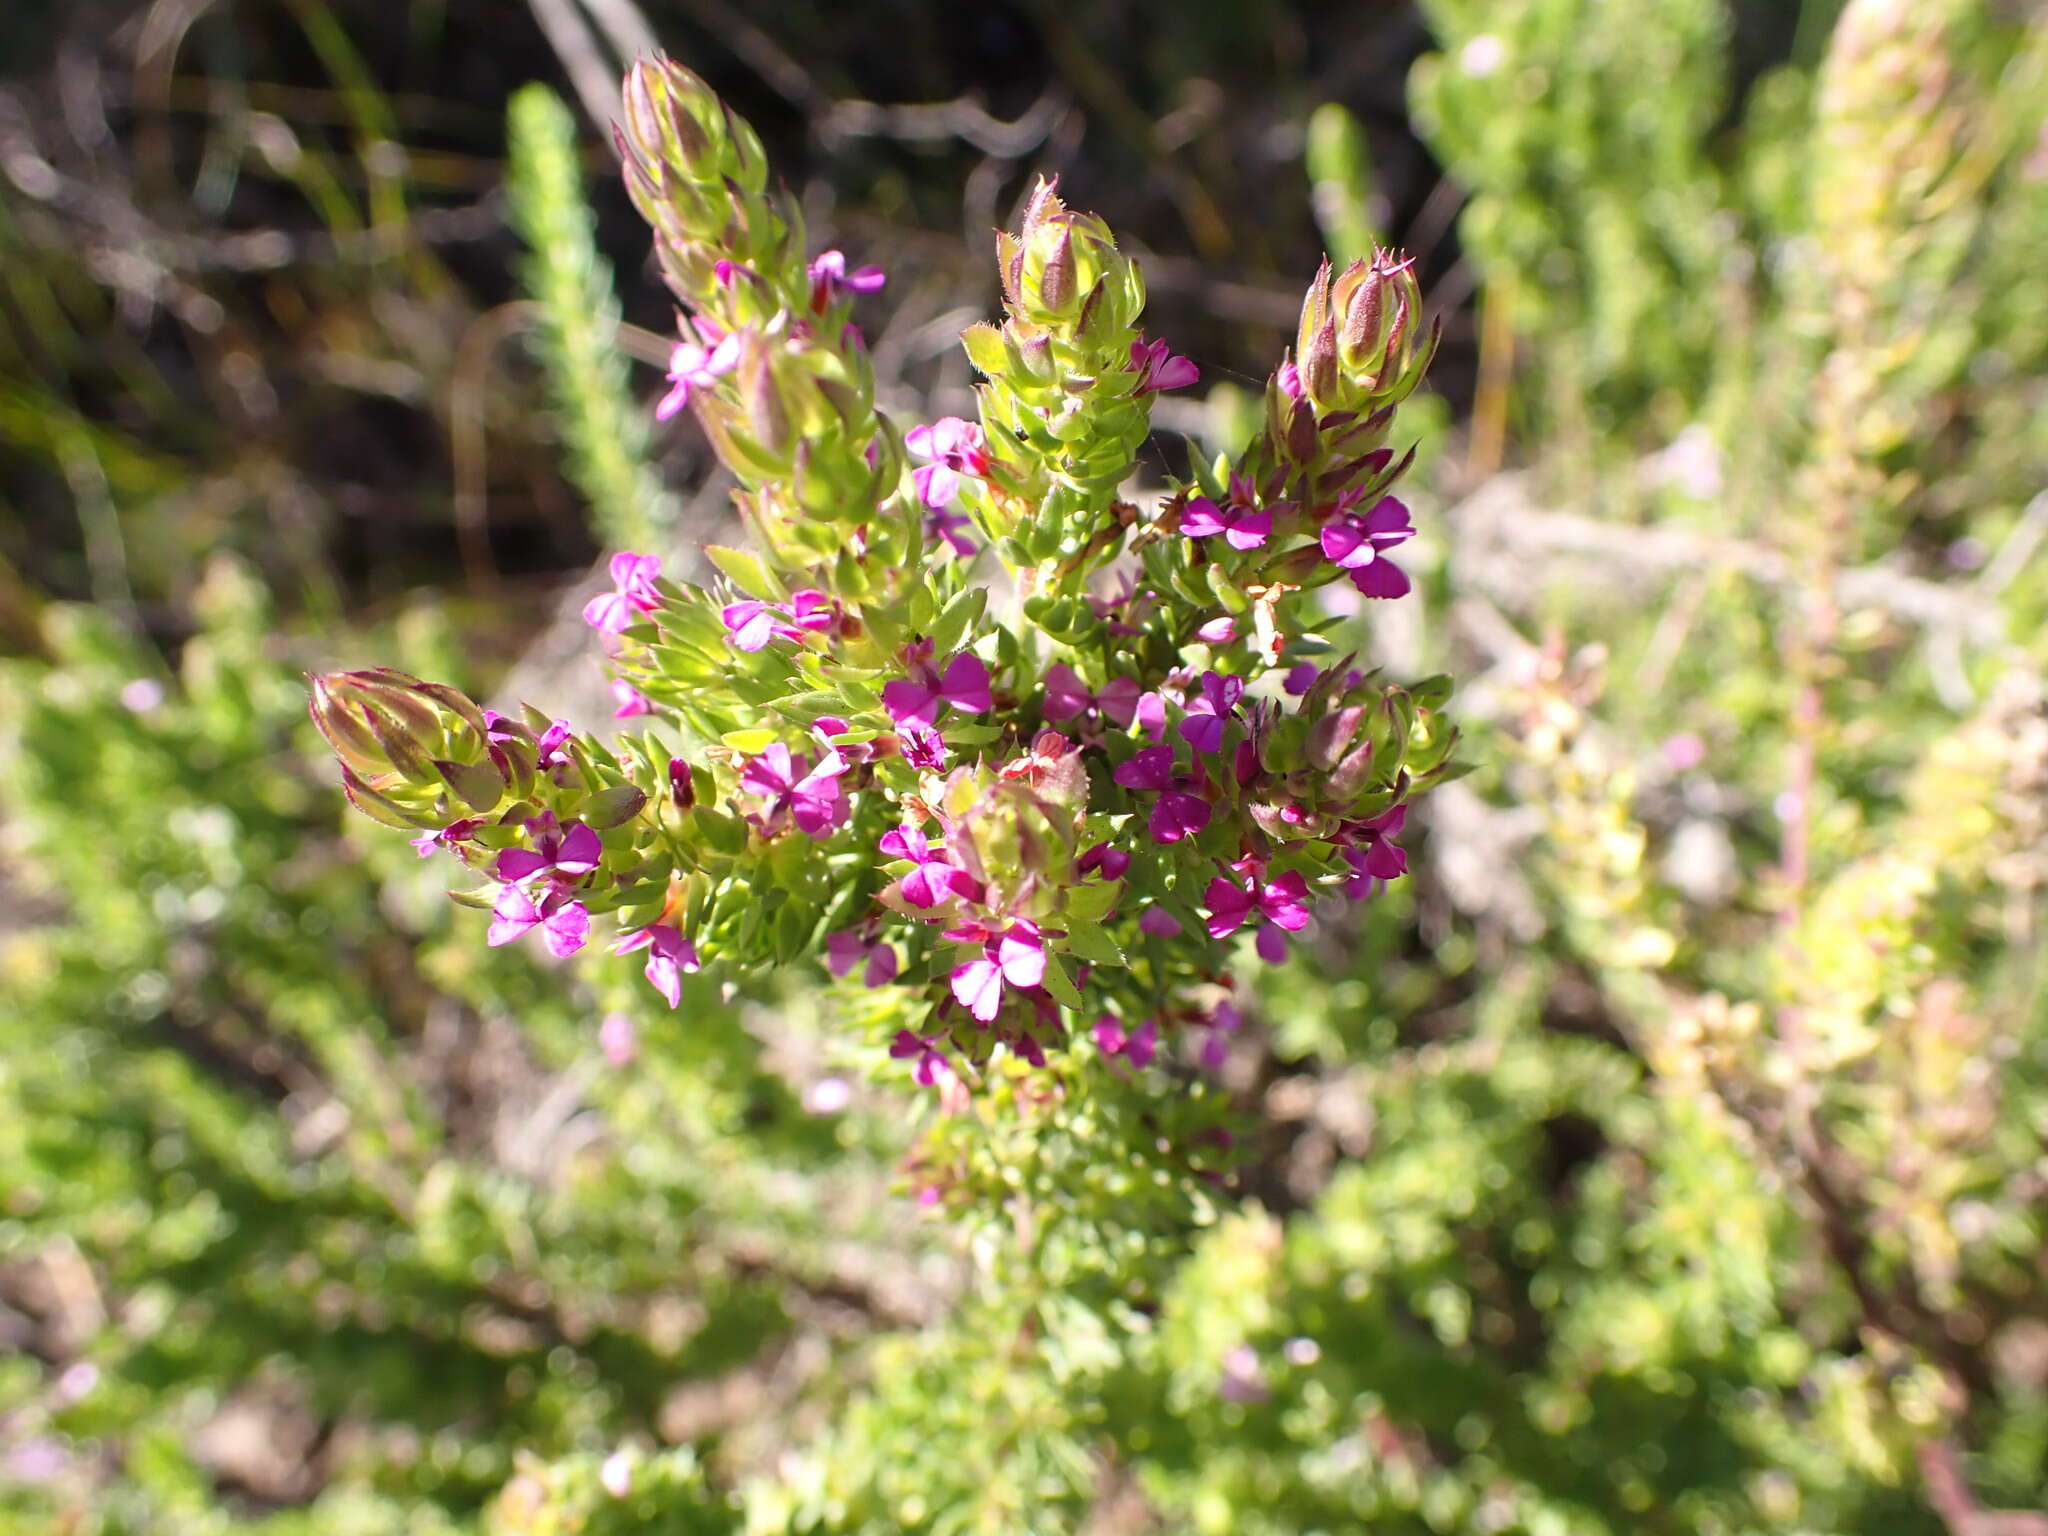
846,949
1207,712
565,855
918,698
1158,922
1243,1379
1017,957
691,366
1359,545
564,924
811,796
631,700
670,957
956,448
1137,1046
949,528
829,279
1301,677
633,578
932,1067
1121,700
1160,368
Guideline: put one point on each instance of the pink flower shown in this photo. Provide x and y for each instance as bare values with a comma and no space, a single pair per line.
633,577
917,699
829,279
565,855
1249,897
1359,544
1288,377
1218,631
1207,713
956,448
690,367
631,700
564,924
618,1039
1121,700
846,949
1160,369
934,880
751,623
1017,957
787,783
670,957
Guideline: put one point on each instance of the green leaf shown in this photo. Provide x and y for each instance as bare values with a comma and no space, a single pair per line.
1092,942
747,572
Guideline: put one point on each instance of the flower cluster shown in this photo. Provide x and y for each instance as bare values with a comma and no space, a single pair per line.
1038,829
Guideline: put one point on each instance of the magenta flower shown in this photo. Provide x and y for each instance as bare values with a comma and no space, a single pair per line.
631,700
1288,377
1219,631
917,699
1137,1046
1179,812
564,924
1121,700
455,832
1160,369
811,796
565,855
846,949
1301,677
670,957
691,366
829,279
633,577
1359,545
932,1067
1249,897
934,880
1017,957
1209,710
1158,922
956,448
922,747
1373,855
1243,526
1111,861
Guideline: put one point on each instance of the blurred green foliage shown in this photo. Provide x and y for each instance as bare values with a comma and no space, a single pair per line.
1665,1155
